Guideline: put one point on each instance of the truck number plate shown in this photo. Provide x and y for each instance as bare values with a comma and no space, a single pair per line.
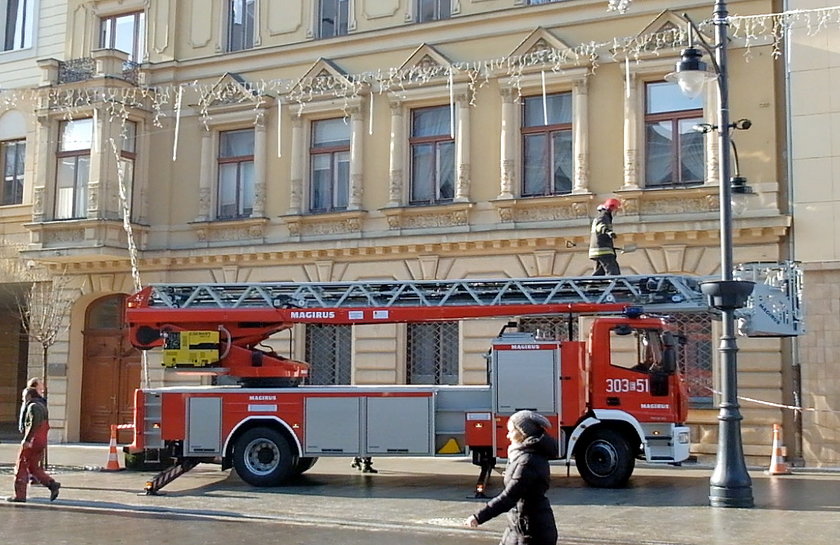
620,385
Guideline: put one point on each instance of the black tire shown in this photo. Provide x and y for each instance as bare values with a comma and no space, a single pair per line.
305,464
604,459
263,457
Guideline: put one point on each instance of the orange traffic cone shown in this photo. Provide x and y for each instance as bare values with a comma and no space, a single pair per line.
778,466
113,460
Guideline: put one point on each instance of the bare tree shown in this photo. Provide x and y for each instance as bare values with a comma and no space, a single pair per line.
45,305
45,312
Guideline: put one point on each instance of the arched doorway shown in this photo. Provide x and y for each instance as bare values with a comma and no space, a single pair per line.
110,370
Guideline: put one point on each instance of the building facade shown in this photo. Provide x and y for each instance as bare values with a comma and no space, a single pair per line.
813,58
238,140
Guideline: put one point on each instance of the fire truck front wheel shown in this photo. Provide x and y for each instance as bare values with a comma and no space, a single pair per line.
262,457
604,458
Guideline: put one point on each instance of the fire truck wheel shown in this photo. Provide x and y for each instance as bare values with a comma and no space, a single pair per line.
262,457
305,464
604,459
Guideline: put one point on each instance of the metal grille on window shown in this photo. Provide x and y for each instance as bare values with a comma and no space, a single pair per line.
328,352
433,351
555,328
695,357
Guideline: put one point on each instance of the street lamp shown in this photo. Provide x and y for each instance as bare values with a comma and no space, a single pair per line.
730,484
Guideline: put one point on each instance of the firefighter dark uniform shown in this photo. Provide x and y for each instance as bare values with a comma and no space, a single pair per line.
601,248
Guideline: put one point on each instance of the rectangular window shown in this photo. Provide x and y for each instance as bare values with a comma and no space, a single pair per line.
432,10
674,151
241,24
12,155
236,174
73,169
695,357
329,165
17,18
332,18
548,159
432,156
126,163
125,33
433,350
328,352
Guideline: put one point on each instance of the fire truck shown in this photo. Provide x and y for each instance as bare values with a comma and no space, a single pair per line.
613,398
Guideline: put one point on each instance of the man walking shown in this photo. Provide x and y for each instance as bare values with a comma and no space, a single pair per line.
601,248
36,425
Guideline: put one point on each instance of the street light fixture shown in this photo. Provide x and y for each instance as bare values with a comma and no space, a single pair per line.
730,484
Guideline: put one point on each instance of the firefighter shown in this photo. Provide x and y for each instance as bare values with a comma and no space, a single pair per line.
527,478
601,247
36,426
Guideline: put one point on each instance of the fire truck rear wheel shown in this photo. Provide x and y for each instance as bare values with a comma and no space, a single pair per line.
604,459
305,464
262,457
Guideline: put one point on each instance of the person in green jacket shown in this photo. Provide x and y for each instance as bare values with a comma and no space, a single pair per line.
36,422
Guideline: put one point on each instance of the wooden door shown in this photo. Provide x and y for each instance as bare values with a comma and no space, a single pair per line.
110,372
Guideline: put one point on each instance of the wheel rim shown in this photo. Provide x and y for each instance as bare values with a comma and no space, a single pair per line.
261,456
601,458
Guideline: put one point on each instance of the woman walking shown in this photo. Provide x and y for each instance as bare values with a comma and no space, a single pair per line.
527,477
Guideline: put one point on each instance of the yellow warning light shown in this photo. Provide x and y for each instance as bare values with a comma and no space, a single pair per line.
156,425
295,426
656,432
479,425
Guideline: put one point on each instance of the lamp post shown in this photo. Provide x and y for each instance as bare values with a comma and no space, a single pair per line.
730,484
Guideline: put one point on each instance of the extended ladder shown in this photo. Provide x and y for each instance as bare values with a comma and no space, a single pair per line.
774,309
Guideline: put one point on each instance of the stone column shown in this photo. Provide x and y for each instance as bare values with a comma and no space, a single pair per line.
395,185
205,173
260,158
357,138
507,140
296,163
462,149
41,200
631,113
580,126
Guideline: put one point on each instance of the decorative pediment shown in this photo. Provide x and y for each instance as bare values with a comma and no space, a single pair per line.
666,33
426,61
540,43
666,22
323,77
229,89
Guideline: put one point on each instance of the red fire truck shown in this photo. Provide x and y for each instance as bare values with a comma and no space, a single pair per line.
616,397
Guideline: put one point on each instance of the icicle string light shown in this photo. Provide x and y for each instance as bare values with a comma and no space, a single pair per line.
165,101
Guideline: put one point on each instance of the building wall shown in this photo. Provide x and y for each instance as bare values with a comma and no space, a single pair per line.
814,61
489,235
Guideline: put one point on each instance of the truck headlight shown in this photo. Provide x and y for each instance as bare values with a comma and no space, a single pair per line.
682,437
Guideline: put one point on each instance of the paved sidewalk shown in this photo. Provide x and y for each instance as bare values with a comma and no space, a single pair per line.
661,506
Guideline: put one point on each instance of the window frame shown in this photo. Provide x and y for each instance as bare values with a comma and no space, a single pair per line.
247,42
28,27
339,29
239,161
419,6
549,130
440,350
332,152
19,175
138,41
436,140
129,156
675,117
80,186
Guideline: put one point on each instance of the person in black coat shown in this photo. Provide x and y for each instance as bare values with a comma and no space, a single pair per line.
527,478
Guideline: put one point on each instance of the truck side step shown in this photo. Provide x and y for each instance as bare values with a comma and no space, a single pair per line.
168,475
